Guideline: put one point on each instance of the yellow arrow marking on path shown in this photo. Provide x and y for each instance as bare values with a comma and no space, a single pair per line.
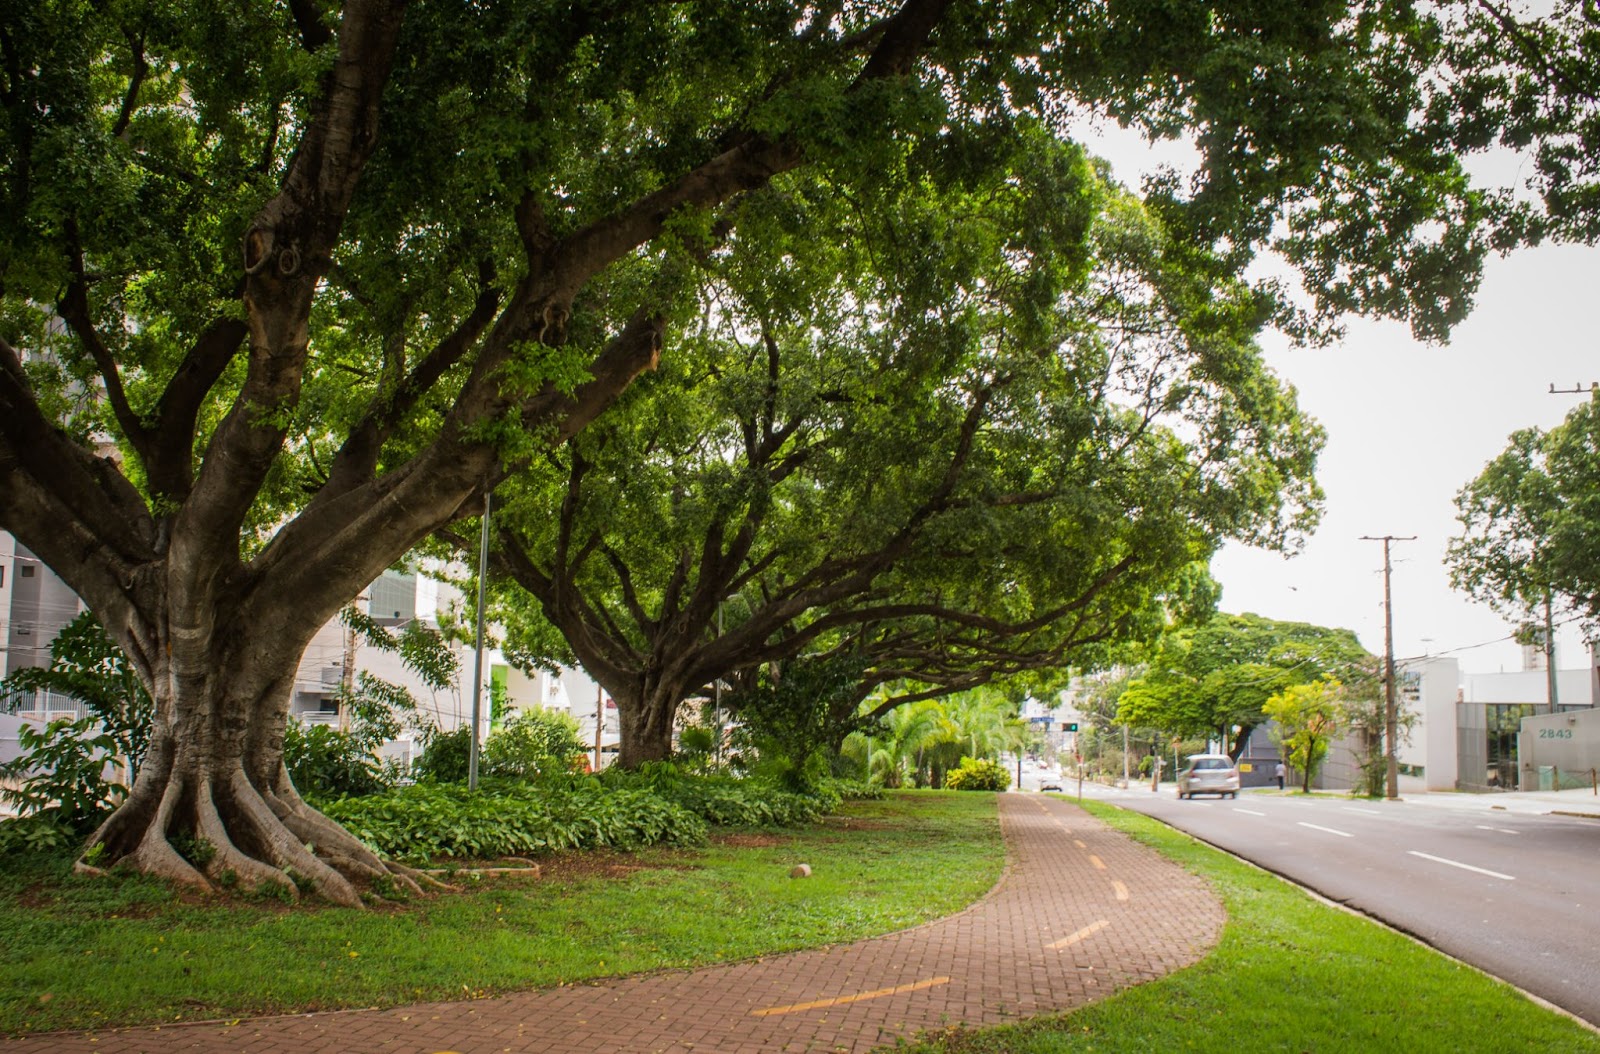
1099,864
1088,931
1120,889
841,1000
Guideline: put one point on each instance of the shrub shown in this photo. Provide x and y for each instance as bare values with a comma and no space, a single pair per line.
326,763
533,743
978,774
423,822
445,756
61,774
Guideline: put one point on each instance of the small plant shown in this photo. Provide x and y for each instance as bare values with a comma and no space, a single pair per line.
978,774
197,850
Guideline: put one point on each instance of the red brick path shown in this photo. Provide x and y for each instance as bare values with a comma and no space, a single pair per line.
1081,912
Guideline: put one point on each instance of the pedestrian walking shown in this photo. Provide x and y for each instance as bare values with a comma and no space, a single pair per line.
1278,772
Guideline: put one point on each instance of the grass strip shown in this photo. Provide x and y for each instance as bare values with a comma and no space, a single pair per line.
1291,974
88,953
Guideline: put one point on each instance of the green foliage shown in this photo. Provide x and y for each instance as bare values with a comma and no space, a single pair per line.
61,774
1531,523
445,756
794,722
978,775
533,743
87,665
428,821
1199,682
326,763
1309,718
726,801
40,832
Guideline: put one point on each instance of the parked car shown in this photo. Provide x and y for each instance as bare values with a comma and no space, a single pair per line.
1051,786
1209,774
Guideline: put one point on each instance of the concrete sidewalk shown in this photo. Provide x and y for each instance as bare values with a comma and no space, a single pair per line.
1080,912
1580,802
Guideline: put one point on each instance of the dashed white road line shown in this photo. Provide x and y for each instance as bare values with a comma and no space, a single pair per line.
1248,812
1364,812
1502,830
1329,830
1464,867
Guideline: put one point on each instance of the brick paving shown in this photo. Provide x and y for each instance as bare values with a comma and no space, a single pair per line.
1080,912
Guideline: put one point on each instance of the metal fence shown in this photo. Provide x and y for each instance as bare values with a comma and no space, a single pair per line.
41,706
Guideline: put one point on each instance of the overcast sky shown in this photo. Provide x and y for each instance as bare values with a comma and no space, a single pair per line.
1409,424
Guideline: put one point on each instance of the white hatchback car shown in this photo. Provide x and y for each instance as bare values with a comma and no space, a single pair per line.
1209,774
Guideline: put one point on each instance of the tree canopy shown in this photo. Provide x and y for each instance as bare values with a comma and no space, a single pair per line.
992,427
286,287
1531,522
1207,680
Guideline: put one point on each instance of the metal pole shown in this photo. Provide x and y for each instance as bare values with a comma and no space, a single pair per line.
1551,696
477,651
599,721
1124,756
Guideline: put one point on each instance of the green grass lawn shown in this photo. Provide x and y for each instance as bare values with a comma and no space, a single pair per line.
1291,974
79,953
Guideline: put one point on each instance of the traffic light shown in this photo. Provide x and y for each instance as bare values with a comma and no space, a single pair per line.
1069,726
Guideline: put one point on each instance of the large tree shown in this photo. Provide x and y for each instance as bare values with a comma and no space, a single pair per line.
993,426
284,287
1213,680
1531,522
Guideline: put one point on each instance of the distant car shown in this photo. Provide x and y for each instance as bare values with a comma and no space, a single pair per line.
1049,787
1209,774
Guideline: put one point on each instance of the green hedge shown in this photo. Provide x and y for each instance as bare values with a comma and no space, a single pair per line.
620,810
425,822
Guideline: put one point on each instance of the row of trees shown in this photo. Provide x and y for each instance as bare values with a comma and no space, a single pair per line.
285,289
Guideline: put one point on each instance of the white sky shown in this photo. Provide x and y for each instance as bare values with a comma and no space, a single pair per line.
1409,425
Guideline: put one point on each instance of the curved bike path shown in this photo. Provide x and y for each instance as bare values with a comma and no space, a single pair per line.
1080,912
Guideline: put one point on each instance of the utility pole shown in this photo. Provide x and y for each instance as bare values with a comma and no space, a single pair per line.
1391,718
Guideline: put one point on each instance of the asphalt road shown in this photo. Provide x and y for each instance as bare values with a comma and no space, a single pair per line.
1515,895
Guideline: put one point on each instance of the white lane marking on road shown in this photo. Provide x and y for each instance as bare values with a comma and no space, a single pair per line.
1502,830
1464,867
1330,830
1248,812
1365,812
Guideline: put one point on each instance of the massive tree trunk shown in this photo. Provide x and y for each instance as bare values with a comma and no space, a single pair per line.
645,719
213,802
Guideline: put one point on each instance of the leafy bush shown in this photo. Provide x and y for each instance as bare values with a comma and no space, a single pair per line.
534,743
38,833
445,756
61,773
87,665
326,763
424,822
725,801
978,774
